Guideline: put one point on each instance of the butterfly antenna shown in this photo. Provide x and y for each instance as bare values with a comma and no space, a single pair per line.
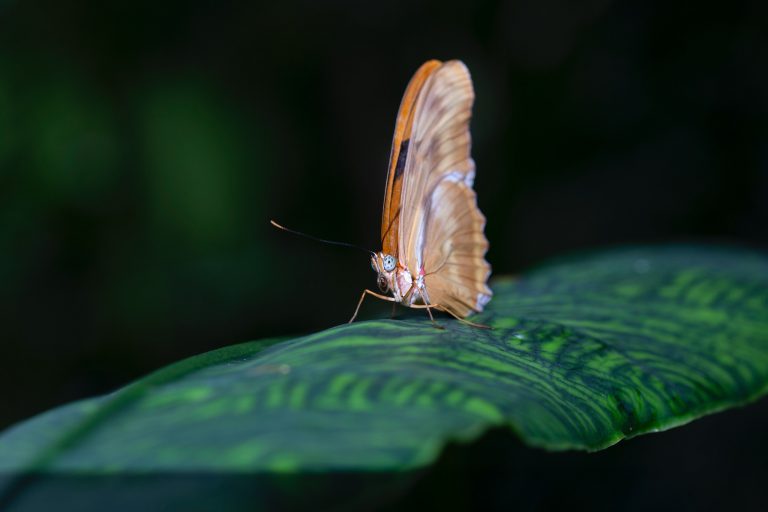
316,239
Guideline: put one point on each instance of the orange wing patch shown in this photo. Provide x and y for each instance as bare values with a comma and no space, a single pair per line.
390,216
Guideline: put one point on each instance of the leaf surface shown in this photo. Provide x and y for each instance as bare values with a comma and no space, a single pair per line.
583,352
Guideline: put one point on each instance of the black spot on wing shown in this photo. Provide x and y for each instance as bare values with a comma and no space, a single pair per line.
400,167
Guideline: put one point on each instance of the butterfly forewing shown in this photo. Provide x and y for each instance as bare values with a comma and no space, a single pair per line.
440,226
390,217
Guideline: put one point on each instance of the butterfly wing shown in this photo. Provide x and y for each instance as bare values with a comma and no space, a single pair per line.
390,216
441,227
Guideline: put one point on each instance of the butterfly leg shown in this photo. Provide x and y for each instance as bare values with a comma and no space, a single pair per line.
467,322
422,292
362,297
429,308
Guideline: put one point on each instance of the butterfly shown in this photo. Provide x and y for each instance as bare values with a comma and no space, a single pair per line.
433,244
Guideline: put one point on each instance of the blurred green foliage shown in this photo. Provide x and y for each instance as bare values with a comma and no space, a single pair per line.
70,137
195,160
125,215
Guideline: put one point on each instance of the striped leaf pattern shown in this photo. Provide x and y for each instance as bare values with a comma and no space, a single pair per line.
583,352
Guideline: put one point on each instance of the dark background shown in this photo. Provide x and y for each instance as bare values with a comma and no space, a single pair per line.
145,145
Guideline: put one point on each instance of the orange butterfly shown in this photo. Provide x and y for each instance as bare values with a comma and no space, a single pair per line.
433,245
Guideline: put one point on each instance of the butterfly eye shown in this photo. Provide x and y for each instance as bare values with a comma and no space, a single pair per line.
389,262
382,282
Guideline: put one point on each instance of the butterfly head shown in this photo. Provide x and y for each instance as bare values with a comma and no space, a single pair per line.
384,265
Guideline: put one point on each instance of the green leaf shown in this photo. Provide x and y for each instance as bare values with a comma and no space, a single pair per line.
583,353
